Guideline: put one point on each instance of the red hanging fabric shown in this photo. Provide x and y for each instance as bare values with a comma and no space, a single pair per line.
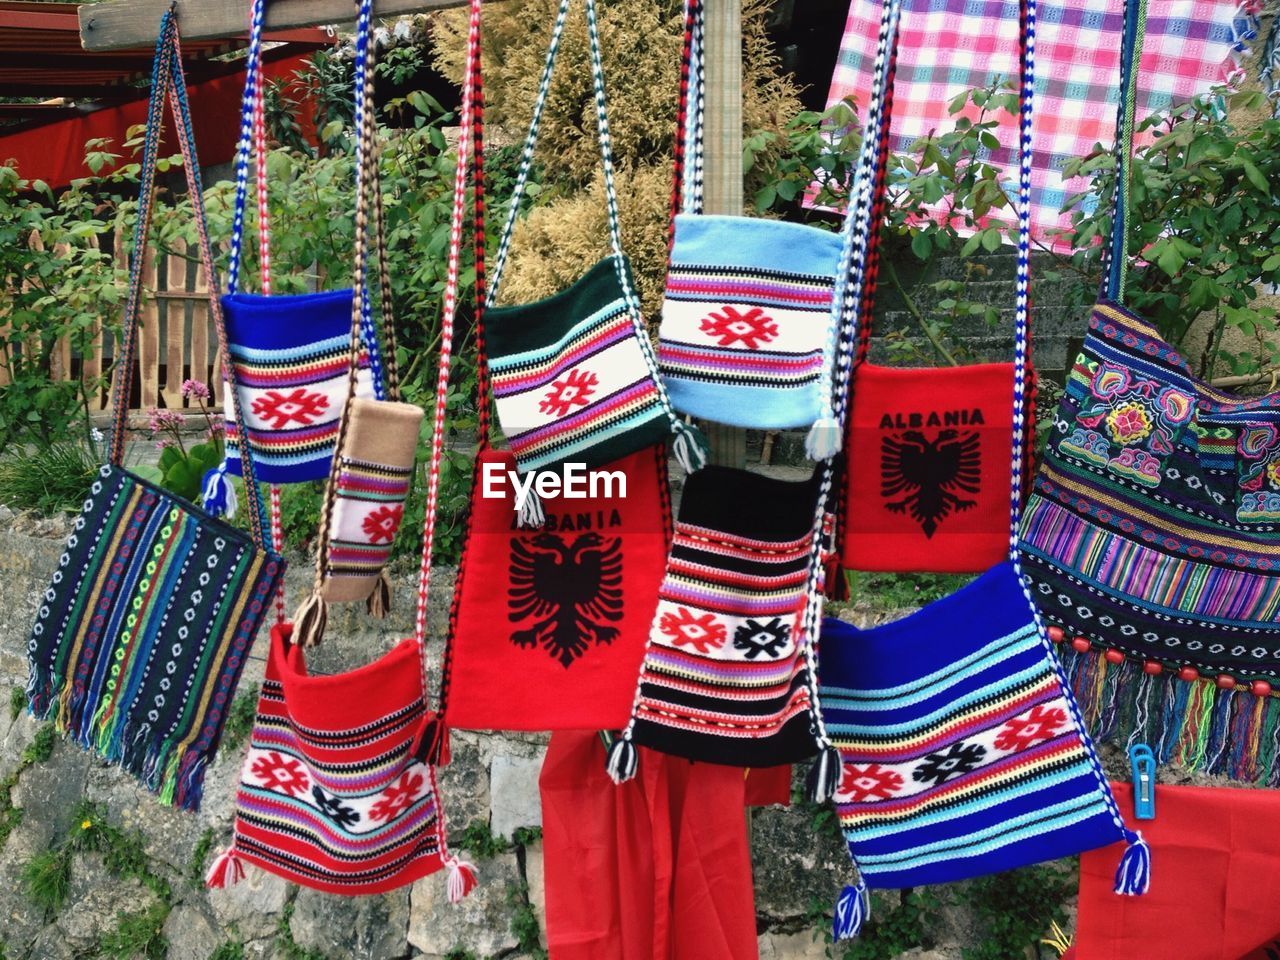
1217,854
657,868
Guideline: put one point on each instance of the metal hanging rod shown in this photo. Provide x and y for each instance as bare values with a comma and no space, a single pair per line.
130,24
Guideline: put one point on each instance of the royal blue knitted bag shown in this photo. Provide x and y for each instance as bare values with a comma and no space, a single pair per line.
962,749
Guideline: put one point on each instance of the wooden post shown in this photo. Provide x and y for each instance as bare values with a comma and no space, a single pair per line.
722,62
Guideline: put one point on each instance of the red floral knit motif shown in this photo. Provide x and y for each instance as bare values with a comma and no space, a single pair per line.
751,328
1042,723
281,773
380,525
702,633
573,391
871,782
298,407
398,797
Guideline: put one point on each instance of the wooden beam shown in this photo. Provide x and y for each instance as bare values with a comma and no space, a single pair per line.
122,24
722,192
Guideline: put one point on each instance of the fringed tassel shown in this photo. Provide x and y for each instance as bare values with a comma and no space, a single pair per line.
690,447
530,515
219,495
824,775
227,870
623,760
431,746
823,440
461,878
835,583
379,601
310,620
853,909
1133,876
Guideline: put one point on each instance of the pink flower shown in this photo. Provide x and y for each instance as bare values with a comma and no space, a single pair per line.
217,428
195,390
165,444
1129,423
159,420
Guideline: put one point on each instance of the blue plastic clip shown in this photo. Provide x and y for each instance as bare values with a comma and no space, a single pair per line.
1144,781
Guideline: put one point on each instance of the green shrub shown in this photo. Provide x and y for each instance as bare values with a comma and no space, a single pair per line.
49,478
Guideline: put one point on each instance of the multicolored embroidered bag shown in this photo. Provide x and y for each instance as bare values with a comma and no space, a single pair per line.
289,351
962,749
334,793
565,607
371,474
748,332
1150,536
143,633
925,491
574,376
725,678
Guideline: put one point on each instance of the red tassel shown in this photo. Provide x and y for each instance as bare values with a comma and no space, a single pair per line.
462,879
227,870
431,745
836,583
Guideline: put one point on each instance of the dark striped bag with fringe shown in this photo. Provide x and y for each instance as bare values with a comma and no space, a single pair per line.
962,750
336,793
143,633
1151,536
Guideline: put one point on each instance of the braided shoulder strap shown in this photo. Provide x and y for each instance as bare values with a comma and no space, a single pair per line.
689,446
168,78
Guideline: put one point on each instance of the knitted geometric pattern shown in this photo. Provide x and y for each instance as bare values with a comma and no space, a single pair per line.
570,380
290,356
724,678
141,637
1152,526
373,473
745,320
330,796
961,754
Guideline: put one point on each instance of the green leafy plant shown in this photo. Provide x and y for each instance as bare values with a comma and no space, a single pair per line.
47,877
230,950
1014,910
899,922
181,468
17,702
40,748
195,871
137,934
239,724
481,841
1204,226
49,477
524,922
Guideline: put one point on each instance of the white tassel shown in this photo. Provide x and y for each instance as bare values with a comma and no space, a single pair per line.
1133,876
853,909
219,494
823,439
690,447
623,761
824,775
530,515
462,879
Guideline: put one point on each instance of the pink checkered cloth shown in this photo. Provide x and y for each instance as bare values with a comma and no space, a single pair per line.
949,46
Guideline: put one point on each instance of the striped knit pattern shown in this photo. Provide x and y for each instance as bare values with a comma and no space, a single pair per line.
961,754
1150,528
330,796
723,679
366,516
142,635
570,380
290,355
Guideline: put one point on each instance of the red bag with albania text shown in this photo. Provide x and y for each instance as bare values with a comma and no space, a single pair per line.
926,482
548,625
